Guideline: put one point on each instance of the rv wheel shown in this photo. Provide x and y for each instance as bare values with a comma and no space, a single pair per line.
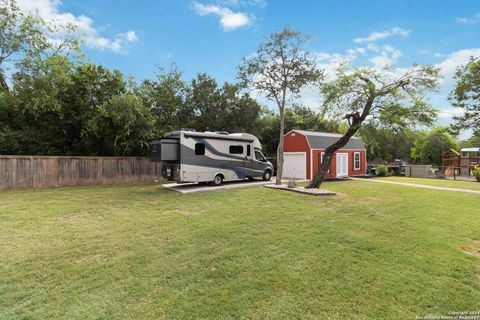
217,180
267,175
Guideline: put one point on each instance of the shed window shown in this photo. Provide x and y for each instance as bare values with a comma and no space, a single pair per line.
356,161
199,149
236,150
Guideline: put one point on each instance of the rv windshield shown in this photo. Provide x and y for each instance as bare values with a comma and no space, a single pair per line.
259,156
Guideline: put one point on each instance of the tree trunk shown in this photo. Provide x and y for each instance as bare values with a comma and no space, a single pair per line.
3,83
278,179
317,180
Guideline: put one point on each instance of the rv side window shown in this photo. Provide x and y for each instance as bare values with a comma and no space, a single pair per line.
199,149
236,149
248,150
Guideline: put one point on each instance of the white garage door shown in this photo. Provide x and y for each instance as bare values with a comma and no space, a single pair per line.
295,165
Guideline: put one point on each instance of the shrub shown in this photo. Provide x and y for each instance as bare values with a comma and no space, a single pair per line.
476,173
381,170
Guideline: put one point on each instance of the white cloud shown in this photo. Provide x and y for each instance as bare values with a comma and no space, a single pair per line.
472,20
329,62
229,20
131,36
354,51
455,59
387,55
381,61
450,113
50,11
375,36
445,118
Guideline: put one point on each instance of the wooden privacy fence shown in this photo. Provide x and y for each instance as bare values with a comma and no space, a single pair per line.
47,171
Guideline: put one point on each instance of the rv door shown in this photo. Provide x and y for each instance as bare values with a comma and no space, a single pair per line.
248,162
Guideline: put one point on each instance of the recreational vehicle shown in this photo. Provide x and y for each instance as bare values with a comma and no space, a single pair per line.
190,156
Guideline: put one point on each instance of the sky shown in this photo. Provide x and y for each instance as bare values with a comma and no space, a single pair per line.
212,36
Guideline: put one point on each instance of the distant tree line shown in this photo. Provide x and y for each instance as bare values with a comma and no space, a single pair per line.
54,101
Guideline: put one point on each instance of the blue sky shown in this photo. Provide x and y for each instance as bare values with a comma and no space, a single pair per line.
213,35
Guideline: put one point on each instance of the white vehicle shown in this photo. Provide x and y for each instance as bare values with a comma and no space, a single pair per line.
190,156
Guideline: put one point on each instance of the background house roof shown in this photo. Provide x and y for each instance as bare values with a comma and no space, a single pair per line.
321,140
455,152
470,149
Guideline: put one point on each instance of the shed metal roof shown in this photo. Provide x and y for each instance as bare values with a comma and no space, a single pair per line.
321,140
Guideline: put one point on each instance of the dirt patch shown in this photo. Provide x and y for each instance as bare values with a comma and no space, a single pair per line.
3,206
473,249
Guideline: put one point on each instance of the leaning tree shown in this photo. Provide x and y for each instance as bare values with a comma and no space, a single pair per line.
363,94
279,69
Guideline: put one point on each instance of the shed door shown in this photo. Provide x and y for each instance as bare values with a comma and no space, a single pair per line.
295,165
342,165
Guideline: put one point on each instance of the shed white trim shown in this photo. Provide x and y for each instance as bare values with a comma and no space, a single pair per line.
355,161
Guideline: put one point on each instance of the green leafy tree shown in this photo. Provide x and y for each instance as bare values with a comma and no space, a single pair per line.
429,147
23,38
125,123
36,105
279,69
206,99
221,108
472,141
386,143
166,99
34,53
91,86
57,99
243,112
363,93
466,95
201,104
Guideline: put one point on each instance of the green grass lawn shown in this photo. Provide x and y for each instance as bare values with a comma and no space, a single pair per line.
375,251
472,185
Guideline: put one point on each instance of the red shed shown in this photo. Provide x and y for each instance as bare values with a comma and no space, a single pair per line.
304,150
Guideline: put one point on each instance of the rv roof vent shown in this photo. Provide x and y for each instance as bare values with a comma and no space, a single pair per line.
222,132
186,129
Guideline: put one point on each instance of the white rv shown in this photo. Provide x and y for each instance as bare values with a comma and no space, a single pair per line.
190,156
